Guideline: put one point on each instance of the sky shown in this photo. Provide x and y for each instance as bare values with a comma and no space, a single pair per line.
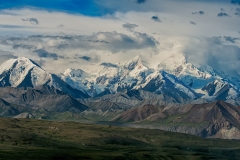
91,34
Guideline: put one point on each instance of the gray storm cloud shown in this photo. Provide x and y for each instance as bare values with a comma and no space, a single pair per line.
156,19
129,26
222,14
45,54
107,64
199,12
31,20
12,26
212,52
112,41
86,58
5,55
223,39
237,12
193,23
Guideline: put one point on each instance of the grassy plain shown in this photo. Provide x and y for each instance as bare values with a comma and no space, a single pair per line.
41,139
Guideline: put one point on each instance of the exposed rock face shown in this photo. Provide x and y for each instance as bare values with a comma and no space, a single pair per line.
44,117
226,133
7,109
216,120
140,113
221,90
25,115
137,98
44,98
106,105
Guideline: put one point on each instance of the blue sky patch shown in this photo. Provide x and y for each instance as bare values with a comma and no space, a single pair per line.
85,7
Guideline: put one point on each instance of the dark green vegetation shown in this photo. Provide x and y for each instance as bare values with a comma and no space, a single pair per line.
35,139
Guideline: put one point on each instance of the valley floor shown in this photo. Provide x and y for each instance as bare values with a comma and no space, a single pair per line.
40,139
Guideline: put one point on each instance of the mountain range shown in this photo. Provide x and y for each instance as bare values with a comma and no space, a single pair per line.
175,95
175,77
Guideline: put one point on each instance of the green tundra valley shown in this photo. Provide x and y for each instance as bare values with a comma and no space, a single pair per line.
41,139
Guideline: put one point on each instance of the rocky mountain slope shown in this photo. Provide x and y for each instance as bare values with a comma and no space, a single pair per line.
140,113
217,119
38,100
8,109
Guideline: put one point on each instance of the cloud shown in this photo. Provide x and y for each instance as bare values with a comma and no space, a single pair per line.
23,46
199,12
40,62
60,26
231,39
112,41
19,42
141,1
106,64
44,54
217,40
156,19
86,58
129,26
5,55
116,42
207,51
193,23
31,20
222,14
11,26
224,39
3,12
94,58
82,48
237,12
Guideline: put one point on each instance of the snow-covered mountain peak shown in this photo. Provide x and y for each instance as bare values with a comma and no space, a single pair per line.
191,75
135,63
78,79
22,72
175,76
173,62
24,60
178,65
74,73
7,65
132,68
108,72
21,61
221,90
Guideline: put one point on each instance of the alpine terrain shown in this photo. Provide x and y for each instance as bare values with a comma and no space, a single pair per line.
175,95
